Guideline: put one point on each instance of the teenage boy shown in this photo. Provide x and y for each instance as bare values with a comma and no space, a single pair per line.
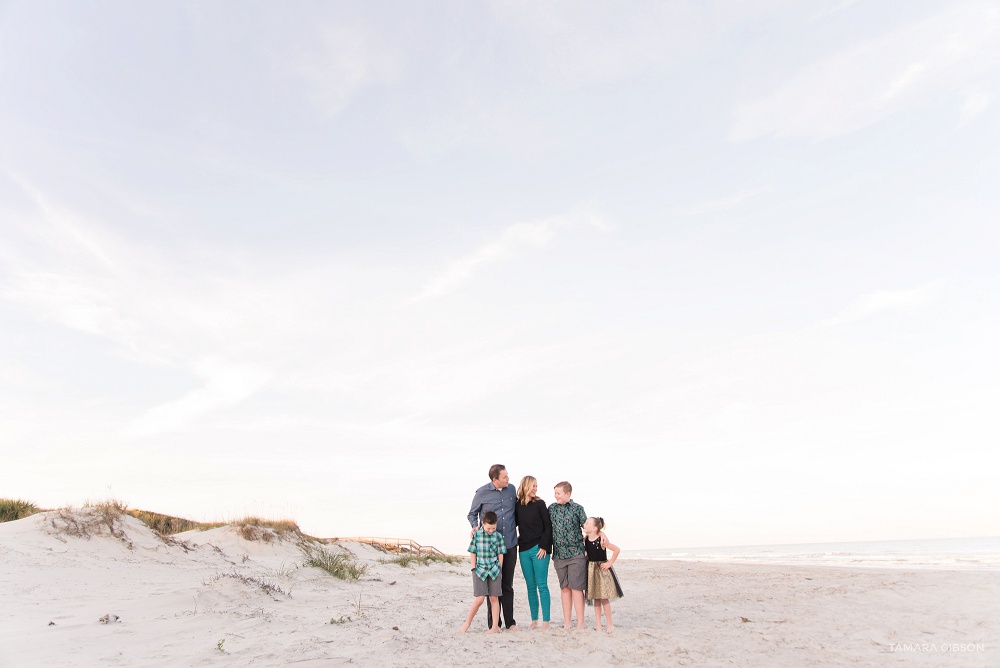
568,554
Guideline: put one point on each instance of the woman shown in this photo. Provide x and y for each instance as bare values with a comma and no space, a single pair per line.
534,545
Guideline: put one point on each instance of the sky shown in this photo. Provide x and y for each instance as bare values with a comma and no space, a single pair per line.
730,268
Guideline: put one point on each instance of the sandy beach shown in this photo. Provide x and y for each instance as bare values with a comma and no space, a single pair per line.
214,598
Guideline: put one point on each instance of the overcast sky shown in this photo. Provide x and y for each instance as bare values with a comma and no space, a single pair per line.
731,268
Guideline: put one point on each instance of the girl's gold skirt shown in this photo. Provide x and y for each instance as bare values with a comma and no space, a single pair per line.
601,583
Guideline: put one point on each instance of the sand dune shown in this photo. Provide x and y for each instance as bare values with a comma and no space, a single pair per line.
214,598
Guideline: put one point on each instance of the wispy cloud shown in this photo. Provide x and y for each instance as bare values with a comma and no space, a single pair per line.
601,42
334,58
977,101
535,234
225,385
833,9
726,203
868,82
68,229
67,278
909,301
65,269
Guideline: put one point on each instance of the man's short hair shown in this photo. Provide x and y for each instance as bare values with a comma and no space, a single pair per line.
489,517
565,486
495,471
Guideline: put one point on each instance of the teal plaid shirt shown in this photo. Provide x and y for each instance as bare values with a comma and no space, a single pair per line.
487,547
567,522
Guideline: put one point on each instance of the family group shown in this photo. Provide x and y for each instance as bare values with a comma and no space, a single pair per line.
507,524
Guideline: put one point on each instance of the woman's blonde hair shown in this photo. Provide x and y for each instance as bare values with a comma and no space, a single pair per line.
524,489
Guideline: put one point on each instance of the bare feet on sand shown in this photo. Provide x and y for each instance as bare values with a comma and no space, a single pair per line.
610,629
545,626
513,628
533,625
465,627
495,629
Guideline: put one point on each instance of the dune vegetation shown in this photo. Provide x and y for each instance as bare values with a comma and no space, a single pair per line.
15,509
105,518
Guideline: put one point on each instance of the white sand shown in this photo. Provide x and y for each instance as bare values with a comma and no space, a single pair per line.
675,613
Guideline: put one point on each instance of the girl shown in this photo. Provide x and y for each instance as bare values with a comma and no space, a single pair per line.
534,547
602,583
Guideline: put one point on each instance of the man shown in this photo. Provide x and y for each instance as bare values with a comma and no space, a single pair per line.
500,497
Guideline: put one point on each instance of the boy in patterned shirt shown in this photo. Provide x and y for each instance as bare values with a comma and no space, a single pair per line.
486,555
568,555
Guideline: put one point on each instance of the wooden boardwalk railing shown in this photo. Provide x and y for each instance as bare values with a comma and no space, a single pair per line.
397,545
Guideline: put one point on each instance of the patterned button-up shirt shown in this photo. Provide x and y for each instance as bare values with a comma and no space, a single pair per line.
567,525
500,501
487,547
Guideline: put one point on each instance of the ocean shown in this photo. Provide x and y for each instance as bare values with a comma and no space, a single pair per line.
979,554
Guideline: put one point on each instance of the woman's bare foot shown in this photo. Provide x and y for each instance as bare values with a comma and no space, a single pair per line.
545,626
534,624
495,629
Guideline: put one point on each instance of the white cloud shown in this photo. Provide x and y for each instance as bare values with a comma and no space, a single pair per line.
726,203
879,301
977,100
536,234
69,231
599,41
226,385
833,9
65,269
868,82
335,59
497,123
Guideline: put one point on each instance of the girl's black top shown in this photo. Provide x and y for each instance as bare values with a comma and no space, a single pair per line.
533,526
594,550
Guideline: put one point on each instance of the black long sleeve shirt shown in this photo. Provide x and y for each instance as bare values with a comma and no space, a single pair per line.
534,526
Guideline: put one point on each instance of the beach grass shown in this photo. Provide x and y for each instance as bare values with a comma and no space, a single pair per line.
108,510
16,509
406,560
256,528
338,564
93,519
250,527
263,584
167,525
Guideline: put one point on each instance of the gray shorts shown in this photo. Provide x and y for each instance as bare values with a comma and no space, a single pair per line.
482,587
572,572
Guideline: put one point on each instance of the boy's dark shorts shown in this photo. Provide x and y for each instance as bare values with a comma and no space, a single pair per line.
490,587
572,572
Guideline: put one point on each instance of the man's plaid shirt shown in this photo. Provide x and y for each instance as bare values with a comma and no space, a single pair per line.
487,547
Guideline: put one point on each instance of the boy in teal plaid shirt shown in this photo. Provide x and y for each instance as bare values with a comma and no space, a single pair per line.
486,556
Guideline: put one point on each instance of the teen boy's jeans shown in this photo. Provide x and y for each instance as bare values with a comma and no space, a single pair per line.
536,575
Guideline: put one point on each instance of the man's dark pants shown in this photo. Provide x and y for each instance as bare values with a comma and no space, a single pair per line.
507,587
